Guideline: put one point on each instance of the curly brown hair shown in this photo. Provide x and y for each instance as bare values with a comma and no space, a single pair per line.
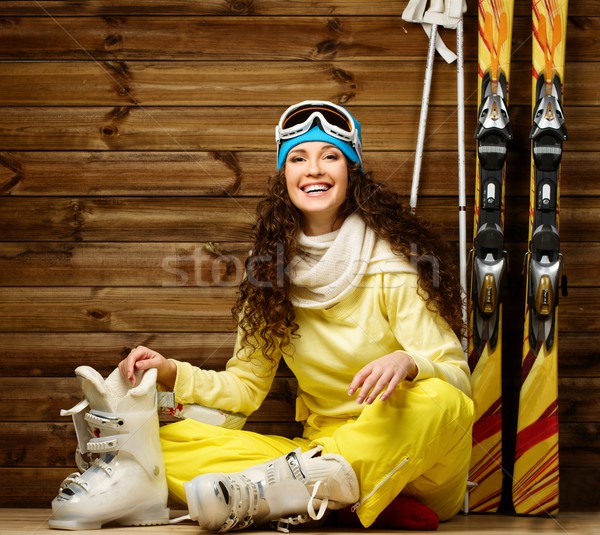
263,307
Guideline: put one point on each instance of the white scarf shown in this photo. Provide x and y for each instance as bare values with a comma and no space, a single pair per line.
331,266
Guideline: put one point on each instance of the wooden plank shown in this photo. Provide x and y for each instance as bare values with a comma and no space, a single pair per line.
208,83
192,173
579,445
58,354
42,398
186,173
193,7
210,38
155,219
57,8
258,38
577,397
38,264
178,83
113,219
234,128
30,487
189,310
122,264
116,309
191,129
198,38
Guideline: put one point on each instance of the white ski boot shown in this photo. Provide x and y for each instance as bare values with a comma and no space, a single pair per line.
285,490
126,483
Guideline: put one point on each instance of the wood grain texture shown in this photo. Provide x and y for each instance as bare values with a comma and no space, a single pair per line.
237,129
133,219
245,174
188,309
196,83
237,7
57,354
265,38
151,264
137,138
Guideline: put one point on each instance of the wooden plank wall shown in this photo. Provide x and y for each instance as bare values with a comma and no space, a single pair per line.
136,137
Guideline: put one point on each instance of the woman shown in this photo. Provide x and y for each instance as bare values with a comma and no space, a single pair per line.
362,302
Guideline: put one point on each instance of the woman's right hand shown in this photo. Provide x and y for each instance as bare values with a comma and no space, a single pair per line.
142,358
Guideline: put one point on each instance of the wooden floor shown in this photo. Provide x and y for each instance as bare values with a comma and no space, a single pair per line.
35,521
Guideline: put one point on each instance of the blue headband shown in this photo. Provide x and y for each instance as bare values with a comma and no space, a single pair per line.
317,134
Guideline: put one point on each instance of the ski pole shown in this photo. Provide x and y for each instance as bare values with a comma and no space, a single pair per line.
440,13
462,197
414,190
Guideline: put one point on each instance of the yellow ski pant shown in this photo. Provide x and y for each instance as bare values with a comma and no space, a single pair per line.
417,442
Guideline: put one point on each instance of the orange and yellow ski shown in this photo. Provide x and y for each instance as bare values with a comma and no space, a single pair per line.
488,258
535,477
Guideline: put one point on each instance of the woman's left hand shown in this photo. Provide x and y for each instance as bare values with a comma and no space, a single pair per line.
382,375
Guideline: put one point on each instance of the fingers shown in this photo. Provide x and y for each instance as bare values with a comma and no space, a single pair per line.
374,385
140,358
390,388
358,380
126,369
381,376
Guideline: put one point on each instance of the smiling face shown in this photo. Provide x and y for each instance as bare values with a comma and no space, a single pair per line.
316,175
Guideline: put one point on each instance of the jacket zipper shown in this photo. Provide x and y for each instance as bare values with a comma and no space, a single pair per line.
382,482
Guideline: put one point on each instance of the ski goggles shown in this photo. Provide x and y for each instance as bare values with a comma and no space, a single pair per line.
332,119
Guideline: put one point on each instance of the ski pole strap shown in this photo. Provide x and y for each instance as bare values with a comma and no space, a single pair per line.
444,13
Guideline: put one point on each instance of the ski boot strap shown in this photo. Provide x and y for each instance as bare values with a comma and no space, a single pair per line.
82,431
104,420
88,423
283,524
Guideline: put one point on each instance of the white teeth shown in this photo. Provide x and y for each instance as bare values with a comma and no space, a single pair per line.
315,187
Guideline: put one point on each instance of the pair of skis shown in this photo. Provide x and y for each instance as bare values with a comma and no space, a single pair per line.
535,474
